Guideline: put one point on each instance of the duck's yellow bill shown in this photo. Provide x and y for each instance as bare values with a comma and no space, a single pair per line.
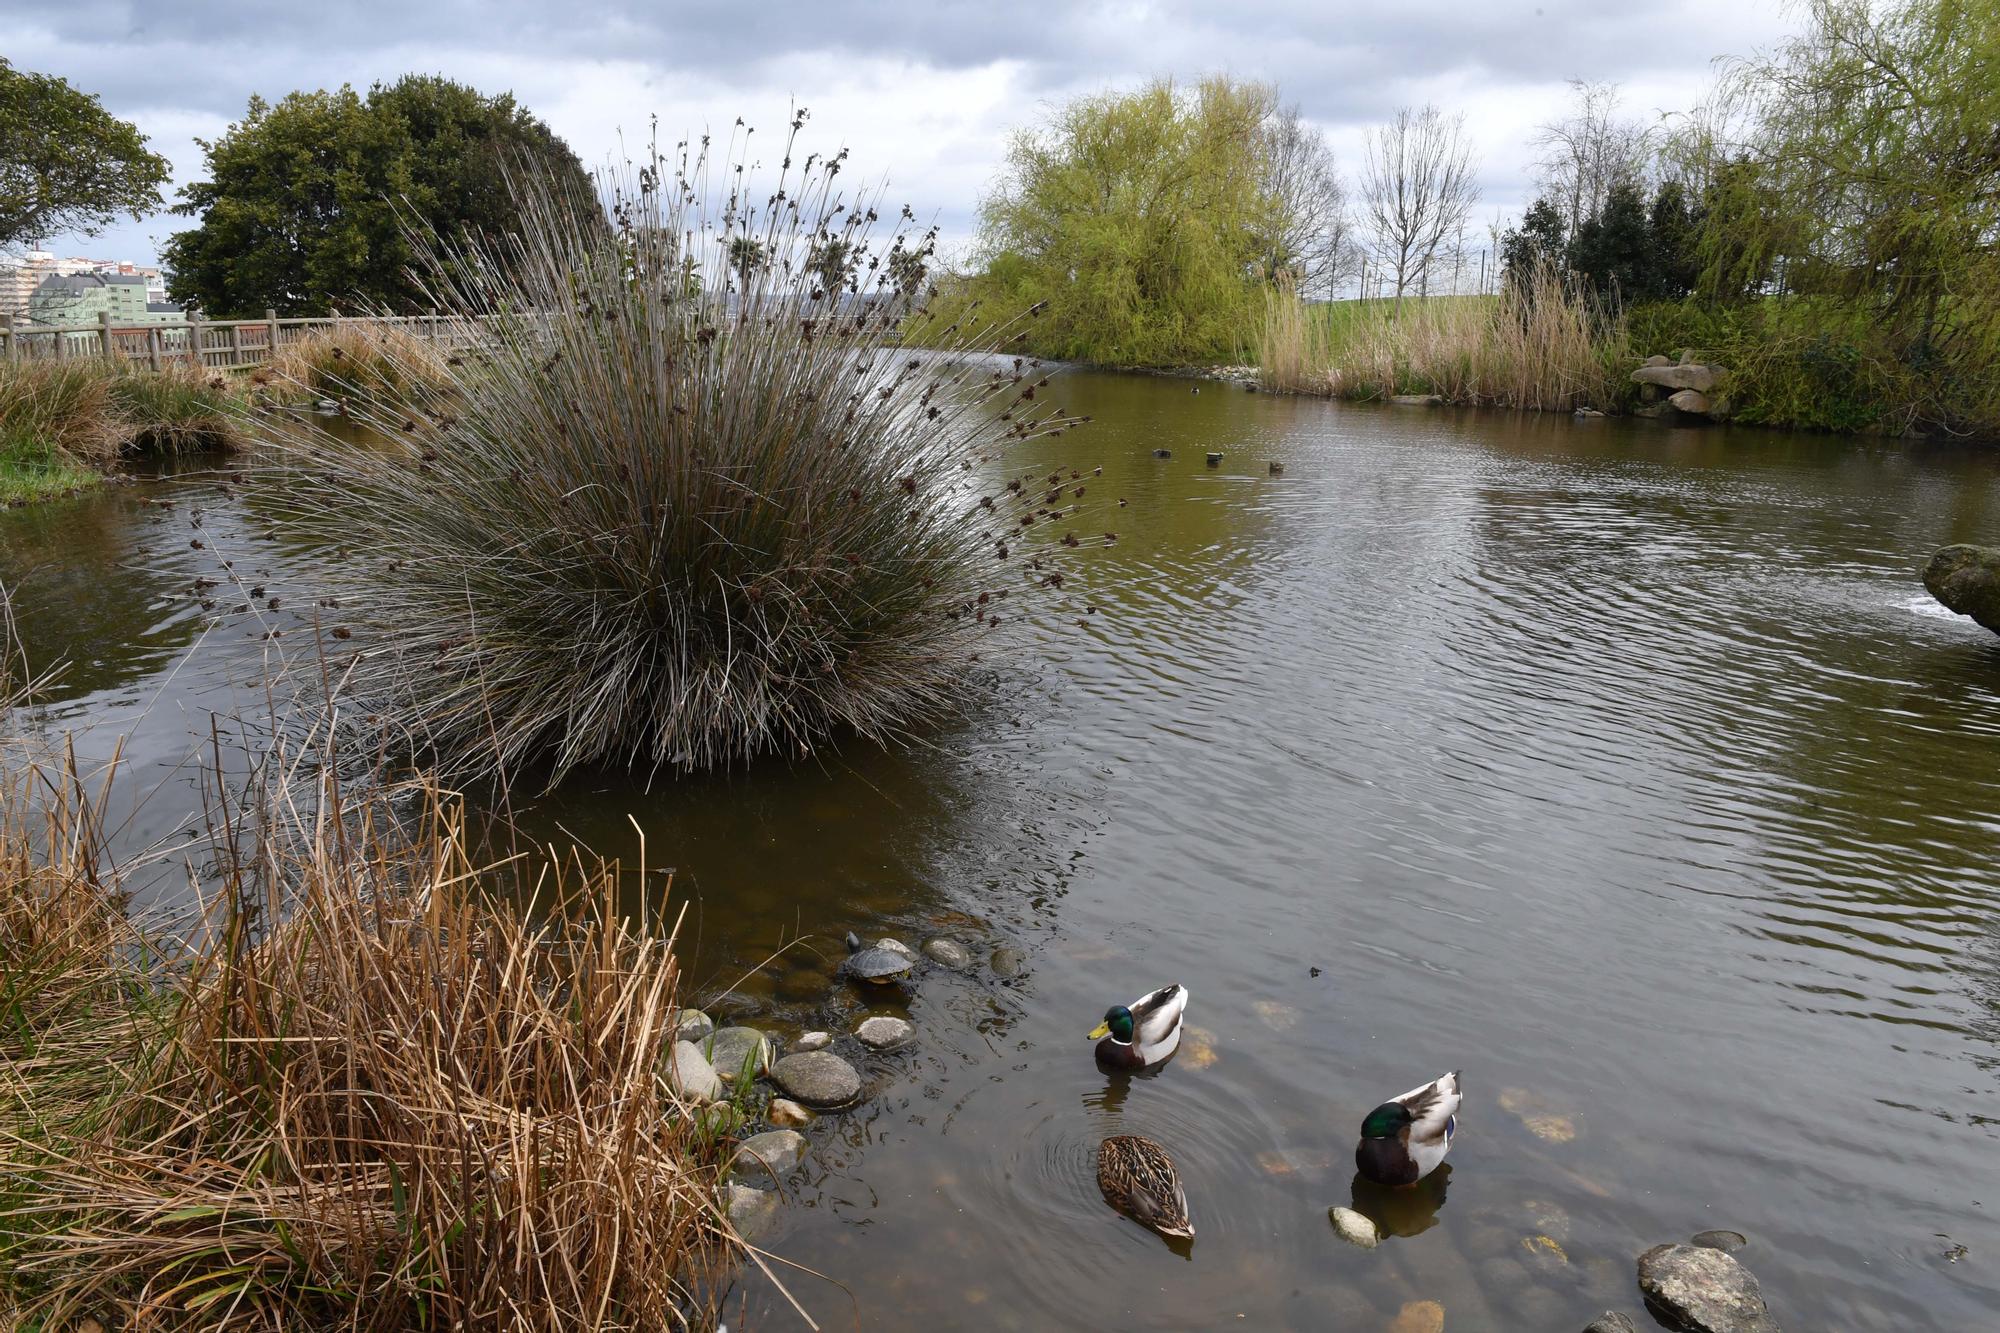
1101,1030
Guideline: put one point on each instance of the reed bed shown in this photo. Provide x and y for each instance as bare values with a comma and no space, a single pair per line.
63,422
178,409
691,504
354,1094
369,361
1541,345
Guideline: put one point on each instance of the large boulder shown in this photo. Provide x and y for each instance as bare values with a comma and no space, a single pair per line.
817,1078
1692,401
1967,579
1697,377
1703,1291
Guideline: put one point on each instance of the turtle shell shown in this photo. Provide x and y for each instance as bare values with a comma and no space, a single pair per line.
877,965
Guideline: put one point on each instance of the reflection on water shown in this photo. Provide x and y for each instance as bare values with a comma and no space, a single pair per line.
1624,766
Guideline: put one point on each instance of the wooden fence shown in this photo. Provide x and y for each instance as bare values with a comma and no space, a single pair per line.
213,344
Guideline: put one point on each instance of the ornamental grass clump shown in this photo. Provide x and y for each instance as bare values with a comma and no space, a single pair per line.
362,359
691,502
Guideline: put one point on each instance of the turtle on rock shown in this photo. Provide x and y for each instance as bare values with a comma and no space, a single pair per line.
874,966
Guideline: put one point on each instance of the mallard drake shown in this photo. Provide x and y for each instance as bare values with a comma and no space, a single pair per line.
1144,1033
1404,1139
1139,1180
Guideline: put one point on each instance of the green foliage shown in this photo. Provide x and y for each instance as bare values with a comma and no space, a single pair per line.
1538,243
66,164
1136,220
1614,250
308,203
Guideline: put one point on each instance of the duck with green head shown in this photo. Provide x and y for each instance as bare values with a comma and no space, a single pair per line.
1406,1138
1143,1034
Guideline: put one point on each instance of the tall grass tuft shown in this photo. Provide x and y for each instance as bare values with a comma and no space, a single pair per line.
363,359
691,503
1542,345
60,408
179,409
357,1095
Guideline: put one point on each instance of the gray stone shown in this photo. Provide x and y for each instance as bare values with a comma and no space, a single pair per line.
1008,961
1658,360
1354,1228
750,1211
731,1048
1584,413
788,1114
1703,1290
1611,1321
814,1041
1699,378
692,1025
896,946
1727,1241
1967,579
883,1033
817,1078
735,1004
949,952
768,1156
1691,401
691,1075
1415,399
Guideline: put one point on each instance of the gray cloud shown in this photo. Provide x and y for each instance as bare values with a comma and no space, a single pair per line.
924,89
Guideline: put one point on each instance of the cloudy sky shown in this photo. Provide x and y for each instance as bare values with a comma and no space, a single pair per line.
923,91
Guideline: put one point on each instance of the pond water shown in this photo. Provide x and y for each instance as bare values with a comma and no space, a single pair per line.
1628,768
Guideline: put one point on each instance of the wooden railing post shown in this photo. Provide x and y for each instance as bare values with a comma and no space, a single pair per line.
235,345
7,335
104,343
153,347
62,342
271,318
194,340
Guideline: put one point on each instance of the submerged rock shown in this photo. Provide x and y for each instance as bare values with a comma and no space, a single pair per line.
1611,1322
1966,578
1419,1317
949,952
1354,1228
690,1074
730,1049
1726,1241
768,1156
735,1004
788,1114
1703,1290
817,1078
1008,961
883,1033
750,1211
692,1025
1416,399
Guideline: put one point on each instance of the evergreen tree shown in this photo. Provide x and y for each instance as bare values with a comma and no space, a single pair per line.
1614,250
1537,242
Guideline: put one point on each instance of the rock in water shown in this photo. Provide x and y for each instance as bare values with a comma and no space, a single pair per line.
815,1041
882,1033
896,946
1612,1322
1692,401
1967,579
1727,1241
787,1114
1419,1317
692,1025
1703,1290
691,1074
750,1211
1008,961
819,1079
730,1049
768,1156
949,952
1354,1228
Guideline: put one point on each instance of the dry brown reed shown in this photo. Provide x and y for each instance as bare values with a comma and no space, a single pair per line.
1544,344
360,359
355,1095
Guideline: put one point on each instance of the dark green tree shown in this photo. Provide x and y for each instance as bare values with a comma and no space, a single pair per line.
67,164
1675,225
1536,243
1614,250
308,203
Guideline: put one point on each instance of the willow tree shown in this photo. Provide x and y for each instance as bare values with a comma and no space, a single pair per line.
1868,170
1139,219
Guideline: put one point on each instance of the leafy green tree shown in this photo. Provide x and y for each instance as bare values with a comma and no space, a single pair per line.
1614,250
1675,225
308,202
67,164
1539,242
1137,218
747,258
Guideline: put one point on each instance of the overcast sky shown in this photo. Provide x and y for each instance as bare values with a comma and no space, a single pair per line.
923,91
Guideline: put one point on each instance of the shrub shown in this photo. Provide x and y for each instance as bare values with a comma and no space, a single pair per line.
696,507
360,1097
180,409
361,359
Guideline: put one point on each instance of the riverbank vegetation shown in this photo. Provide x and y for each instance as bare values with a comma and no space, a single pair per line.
355,1091
63,423
695,511
380,363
